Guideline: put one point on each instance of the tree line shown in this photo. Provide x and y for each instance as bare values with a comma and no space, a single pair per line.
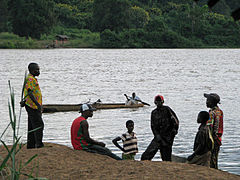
125,23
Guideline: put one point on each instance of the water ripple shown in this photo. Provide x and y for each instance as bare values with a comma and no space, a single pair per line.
181,75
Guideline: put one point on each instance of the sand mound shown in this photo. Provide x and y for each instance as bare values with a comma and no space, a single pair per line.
56,161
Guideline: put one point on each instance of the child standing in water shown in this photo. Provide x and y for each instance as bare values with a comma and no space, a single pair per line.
129,140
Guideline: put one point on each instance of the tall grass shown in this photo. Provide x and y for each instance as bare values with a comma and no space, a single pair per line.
14,169
13,41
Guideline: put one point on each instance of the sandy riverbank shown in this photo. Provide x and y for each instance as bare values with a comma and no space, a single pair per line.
61,162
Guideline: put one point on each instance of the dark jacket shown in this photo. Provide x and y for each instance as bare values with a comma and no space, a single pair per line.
201,140
163,126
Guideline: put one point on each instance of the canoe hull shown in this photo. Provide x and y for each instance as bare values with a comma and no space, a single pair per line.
49,108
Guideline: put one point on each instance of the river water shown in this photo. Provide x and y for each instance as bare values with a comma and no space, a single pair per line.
180,75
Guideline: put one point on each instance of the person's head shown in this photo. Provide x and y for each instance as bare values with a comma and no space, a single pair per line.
86,110
34,69
203,117
130,126
212,99
133,95
159,100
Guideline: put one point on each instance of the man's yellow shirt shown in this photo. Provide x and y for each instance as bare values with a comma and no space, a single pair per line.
32,84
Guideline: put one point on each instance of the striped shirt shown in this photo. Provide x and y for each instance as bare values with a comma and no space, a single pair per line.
129,143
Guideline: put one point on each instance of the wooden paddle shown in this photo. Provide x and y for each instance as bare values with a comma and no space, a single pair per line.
145,103
137,100
126,96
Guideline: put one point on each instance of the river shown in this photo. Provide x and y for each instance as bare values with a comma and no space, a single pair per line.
180,75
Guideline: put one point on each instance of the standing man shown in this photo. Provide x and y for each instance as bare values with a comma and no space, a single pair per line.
216,125
80,137
164,125
33,105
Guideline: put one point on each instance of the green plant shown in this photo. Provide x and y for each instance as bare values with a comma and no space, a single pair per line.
8,36
15,170
109,39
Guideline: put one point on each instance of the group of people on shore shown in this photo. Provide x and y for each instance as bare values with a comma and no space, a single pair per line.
164,126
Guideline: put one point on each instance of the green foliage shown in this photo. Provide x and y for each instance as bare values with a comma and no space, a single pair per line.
199,24
109,39
153,12
133,38
222,8
32,18
188,21
139,38
138,17
179,18
73,33
15,171
233,4
84,20
85,5
82,38
12,41
224,32
78,38
156,24
124,20
82,5
4,15
8,36
111,14
67,14
154,39
171,39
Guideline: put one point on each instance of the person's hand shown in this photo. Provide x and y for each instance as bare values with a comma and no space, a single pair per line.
189,158
174,133
102,144
22,103
40,108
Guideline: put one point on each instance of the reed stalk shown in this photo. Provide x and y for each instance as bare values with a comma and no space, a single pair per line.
15,170
22,98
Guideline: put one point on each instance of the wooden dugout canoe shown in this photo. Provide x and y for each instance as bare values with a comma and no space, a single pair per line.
50,108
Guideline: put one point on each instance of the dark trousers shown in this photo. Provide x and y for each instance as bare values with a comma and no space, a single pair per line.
102,150
214,156
34,139
153,147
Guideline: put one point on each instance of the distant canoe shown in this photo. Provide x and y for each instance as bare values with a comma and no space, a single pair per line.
50,108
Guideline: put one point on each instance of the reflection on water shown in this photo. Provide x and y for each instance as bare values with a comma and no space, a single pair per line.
180,75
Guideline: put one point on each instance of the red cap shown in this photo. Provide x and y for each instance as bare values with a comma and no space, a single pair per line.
159,98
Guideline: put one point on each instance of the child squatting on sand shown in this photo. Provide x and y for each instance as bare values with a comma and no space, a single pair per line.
203,142
129,140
